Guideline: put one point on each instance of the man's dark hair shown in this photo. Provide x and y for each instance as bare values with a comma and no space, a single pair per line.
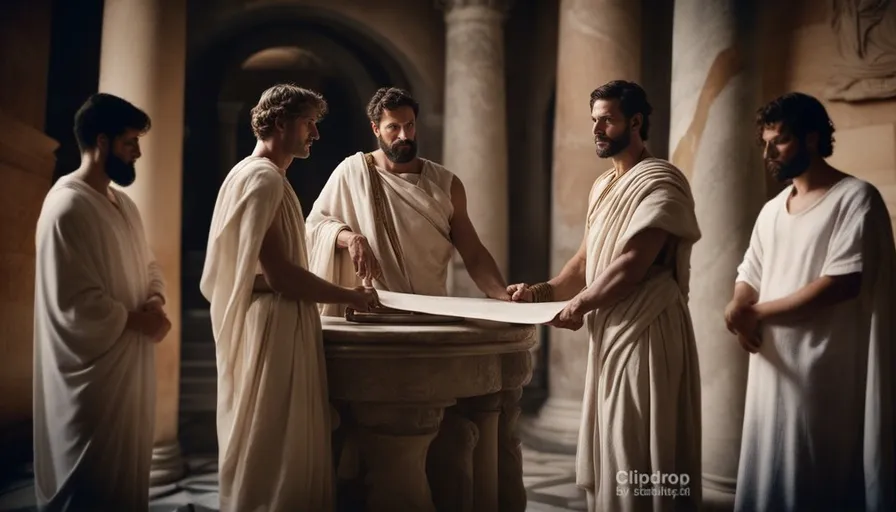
390,98
632,100
109,115
799,114
283,102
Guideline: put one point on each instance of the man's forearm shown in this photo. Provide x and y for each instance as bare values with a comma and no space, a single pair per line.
744,293
344,238
822,293
612,285
570,281
485,273
300,284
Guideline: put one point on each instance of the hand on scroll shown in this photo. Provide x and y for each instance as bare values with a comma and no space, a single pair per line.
569,318
520,292
365,299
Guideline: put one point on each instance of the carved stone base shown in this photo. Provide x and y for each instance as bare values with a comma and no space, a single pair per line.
167,464
394,440
449,464
511,488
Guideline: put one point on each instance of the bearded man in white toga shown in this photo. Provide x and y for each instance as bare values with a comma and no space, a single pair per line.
629,283
813,303
98,313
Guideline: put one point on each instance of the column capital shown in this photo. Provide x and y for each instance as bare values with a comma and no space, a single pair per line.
500,6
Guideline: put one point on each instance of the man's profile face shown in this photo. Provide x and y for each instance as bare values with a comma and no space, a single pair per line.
120,155
397,134
611,130
785,156
299,134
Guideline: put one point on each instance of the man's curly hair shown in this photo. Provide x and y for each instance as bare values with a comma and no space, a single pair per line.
801,115
390,98
283,102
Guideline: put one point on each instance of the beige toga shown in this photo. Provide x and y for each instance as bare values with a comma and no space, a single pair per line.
641,411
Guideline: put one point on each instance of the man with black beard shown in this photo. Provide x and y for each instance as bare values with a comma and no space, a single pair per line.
98,312
813,302
392,219
628,283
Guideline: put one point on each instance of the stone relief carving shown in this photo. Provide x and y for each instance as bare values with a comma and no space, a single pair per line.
866,40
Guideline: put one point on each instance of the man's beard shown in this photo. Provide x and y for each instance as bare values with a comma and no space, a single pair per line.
401,151
120,172
614,146
788,170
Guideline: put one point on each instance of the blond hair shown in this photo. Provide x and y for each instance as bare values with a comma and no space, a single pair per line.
283,102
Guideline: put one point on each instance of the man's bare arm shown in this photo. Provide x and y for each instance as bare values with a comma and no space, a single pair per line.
625,273
744,294
293,281
824,292
479,262
571,279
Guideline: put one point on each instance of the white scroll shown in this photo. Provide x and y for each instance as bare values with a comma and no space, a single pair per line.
481,309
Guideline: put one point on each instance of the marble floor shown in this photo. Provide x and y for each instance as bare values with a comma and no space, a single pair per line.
549,480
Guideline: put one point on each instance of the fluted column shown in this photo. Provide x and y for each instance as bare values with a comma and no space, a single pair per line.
475,135
143,60
715,92
599,41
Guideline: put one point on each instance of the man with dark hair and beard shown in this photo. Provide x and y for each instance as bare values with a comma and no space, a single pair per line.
98,312
629,283
813,302
392,219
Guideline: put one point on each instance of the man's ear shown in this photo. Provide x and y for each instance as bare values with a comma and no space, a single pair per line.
375,128
103,143
637,121
811,141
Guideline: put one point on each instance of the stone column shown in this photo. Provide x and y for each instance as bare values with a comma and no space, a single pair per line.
599,41
715,92
475,136
143,60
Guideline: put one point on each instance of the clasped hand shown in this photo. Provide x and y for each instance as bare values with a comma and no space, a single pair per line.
741,319
151,320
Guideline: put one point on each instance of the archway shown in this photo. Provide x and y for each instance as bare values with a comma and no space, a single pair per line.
228,68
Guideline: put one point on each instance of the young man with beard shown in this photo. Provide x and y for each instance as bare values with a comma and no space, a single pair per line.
629,283
98,311
273,408
813,301
392,219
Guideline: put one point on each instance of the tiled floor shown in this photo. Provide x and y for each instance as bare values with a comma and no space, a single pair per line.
549,479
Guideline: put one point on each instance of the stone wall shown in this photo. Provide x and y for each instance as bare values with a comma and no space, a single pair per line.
26,171
865,137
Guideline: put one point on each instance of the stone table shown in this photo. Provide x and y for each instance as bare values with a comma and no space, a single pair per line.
428,413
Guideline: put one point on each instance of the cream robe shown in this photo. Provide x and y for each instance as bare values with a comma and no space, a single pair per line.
641,408
273,409
422,214
818,422
94,381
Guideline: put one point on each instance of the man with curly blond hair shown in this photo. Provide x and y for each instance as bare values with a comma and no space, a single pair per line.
392,219
273,408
